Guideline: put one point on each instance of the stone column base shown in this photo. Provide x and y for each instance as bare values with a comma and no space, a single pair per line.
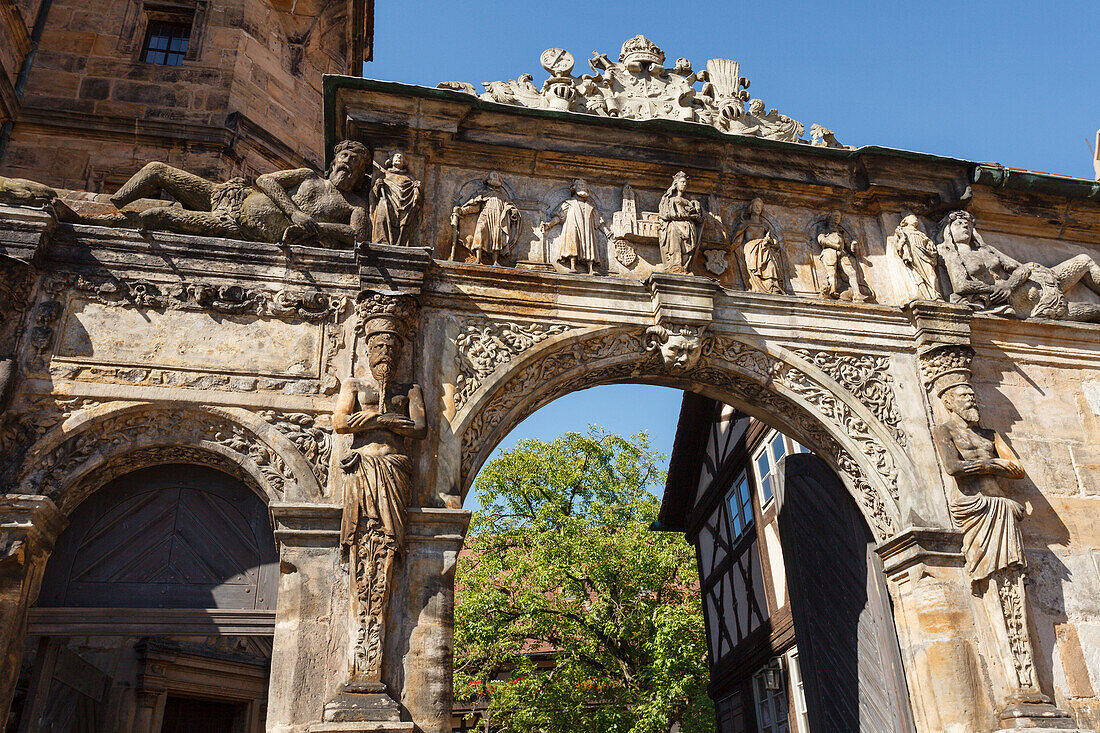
362,702
1035,712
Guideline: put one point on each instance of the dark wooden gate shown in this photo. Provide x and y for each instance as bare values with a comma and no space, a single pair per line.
851,664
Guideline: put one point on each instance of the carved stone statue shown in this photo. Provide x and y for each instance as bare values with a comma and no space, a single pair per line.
382,414
760,245
580,221
639,87
497,225
289,207
993,283
395,201
680,348
978,459
681,221
913,259
838,259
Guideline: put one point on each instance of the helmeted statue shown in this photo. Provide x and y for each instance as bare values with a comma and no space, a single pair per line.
396,201
288,207
497,225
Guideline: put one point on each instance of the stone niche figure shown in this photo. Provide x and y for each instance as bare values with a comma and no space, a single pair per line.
288,207
843,280
759,243
681,222
978,459
497,226
382,415
913,260
993,283
395,200
580,221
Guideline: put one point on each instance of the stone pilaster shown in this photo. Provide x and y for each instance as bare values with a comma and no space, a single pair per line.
304,661
29,526
426,616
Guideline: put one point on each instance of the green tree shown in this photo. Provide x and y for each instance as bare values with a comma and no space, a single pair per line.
561,558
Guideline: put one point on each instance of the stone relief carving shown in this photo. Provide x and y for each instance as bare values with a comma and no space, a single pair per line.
497,227
760,245
978,459
396,201
21,192
681,225
310,435
838,261
382,415
912,260
482,346
993,283
307,305
287,207
679,347
763,368
151,424
580,223
27,422
639,87
868,379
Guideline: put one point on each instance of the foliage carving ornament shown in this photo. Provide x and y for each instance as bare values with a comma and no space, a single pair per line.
482,346
311,434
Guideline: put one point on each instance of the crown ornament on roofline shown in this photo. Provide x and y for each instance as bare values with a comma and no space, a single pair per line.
639,87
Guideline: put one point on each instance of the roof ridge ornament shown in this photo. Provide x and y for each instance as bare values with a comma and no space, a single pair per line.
639,87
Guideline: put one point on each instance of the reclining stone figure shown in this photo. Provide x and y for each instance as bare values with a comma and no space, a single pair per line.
287,207
993,283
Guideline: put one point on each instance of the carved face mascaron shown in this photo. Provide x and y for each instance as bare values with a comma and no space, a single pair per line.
383,351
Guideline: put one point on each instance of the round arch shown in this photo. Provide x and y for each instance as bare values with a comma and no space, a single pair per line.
793,392
103,442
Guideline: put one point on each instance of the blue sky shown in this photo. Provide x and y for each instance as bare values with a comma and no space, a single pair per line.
1007,81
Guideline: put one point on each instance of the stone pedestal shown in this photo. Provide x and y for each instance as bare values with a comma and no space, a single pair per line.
29,525
363,727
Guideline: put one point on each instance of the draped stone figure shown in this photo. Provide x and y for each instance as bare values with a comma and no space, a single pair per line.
497,225
382,415
978,459
396,200
913,259
289,207
580,221
681,222
993,283
760,246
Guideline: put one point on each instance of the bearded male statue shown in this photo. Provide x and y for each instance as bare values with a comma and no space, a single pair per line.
288,207
978,459
382,415
993,283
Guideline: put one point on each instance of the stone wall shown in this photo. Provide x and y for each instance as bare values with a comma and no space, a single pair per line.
245,101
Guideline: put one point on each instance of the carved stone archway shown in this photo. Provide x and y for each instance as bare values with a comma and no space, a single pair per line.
98,444
808,394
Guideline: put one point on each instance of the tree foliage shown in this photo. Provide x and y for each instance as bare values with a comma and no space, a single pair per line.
562,561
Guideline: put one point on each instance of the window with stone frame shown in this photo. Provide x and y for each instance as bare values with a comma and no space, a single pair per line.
166,41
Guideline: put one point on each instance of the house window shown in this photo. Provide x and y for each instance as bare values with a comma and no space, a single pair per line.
166,42
770,695
800,719
767,456
739,501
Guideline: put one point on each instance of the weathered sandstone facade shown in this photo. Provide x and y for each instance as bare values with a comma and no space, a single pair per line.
130,347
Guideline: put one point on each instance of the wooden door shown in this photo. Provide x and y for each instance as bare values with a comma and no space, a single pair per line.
173,536
851,664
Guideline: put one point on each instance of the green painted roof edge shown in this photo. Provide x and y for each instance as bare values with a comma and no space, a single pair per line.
994,175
